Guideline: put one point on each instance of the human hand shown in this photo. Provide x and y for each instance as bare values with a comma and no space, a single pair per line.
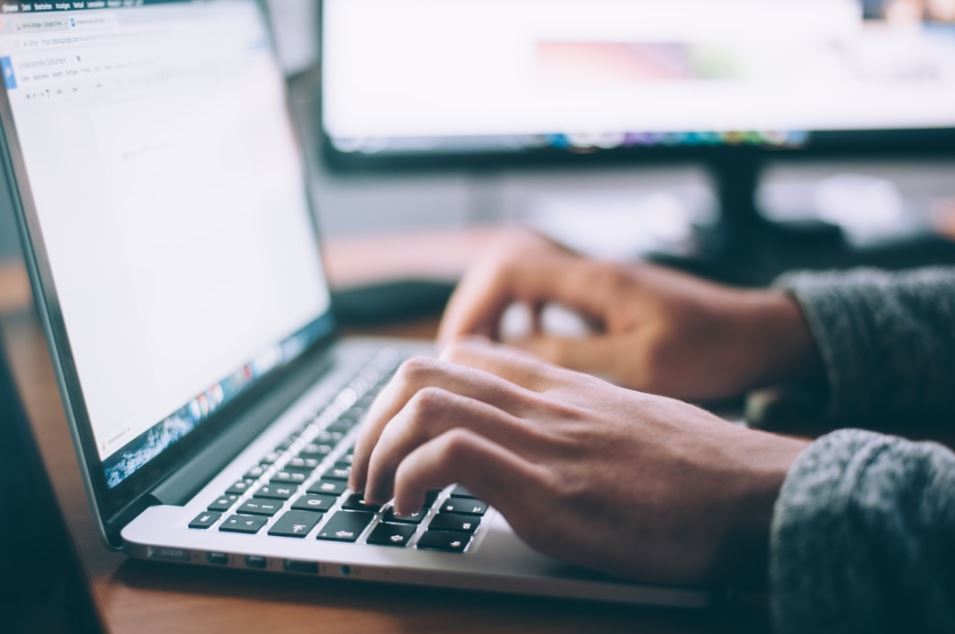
639,486
658,330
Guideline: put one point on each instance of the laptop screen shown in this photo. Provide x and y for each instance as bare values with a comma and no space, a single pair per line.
170,194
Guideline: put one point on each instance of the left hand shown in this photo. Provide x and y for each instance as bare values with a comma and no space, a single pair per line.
640,486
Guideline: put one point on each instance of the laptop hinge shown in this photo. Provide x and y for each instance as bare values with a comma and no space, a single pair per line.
187,480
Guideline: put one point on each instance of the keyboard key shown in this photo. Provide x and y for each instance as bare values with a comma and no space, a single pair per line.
260,506
295,524
271,457
391,534
444,540
340,425
302,464
413,518
205,520
356,502
316,450
256,472
288,477
275,492
314,502
328,487
337,473
288,442
348,458
345,526
250,524
239,487
455,522
223,503
460,492
431,496
328,437
468,506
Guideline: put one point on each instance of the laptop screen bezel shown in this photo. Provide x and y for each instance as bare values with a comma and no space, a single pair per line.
112,504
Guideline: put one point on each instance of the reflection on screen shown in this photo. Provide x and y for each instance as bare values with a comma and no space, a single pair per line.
497,74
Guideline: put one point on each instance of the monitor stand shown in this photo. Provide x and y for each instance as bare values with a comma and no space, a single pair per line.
744,247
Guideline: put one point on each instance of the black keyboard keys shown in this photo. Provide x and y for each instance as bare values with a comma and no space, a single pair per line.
239,487
260,506
338,472
275,492
328,487
391,534
256,472
223,503
295,524
455,522
460,492
249,524
288,477
345,526
356,502
311,502
468,506
205,520
444,540
316,450
305,465
413,518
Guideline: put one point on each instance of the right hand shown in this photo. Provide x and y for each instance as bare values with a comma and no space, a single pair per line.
659,330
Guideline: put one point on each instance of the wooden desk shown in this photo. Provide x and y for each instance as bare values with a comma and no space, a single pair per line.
146,597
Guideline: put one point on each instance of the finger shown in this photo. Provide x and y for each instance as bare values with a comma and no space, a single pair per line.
417,374
479,301
429,414
593,355
507,362
496,475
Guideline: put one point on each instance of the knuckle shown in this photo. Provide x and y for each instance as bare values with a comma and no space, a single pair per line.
415,371
456,446
427,402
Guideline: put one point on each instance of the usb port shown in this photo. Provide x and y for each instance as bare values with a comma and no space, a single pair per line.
219,559
256,562
307,567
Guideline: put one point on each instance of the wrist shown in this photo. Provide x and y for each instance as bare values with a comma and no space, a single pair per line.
782,338
744,557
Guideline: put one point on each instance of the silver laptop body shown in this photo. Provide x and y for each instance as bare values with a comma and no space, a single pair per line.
163,203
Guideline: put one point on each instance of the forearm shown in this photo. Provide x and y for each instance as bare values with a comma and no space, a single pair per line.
863,538
887,341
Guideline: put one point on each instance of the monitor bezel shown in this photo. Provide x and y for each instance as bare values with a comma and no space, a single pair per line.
819,145
113,506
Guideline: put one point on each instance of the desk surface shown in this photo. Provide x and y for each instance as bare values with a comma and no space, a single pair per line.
147,597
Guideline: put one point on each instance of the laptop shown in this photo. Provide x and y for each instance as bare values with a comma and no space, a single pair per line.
43,586
163,201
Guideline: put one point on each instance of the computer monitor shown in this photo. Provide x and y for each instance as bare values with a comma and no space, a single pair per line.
465,83
432,78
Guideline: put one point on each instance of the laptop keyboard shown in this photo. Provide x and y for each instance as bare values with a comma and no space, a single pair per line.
299,489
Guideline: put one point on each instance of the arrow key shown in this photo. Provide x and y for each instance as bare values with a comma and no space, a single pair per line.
295,524
249,524
391,534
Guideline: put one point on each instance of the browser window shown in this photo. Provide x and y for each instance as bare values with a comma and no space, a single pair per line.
171,197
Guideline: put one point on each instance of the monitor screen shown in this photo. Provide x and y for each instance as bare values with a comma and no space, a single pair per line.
472,76
170,195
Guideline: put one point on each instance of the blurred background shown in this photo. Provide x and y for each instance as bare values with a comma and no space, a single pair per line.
623,127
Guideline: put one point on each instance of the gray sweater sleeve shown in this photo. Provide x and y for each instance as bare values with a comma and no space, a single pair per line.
863,538
887,341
